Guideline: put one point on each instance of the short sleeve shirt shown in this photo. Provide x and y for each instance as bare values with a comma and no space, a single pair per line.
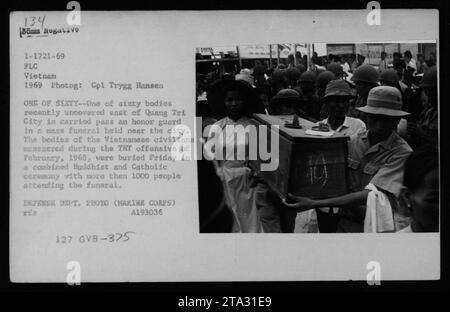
349,127
381,164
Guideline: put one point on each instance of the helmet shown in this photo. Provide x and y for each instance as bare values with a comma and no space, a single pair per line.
277,75
338,87
429,78
308,76
292,74
389,75
301,68
259,70
336,69
247,78
319,70
365,73
285,96
324,78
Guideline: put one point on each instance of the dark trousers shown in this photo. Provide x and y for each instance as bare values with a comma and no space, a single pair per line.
287,220
327,221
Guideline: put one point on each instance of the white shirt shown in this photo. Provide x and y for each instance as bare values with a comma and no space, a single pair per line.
349,127
345,67
412,64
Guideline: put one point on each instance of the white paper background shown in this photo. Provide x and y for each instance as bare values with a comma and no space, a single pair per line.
160,46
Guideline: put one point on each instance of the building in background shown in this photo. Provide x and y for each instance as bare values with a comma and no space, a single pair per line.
372,51
231,59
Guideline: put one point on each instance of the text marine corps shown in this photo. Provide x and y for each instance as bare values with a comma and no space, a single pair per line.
129,202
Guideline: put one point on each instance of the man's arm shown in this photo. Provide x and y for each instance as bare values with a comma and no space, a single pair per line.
305,203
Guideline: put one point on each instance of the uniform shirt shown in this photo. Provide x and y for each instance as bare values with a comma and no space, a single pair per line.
381,164
349,127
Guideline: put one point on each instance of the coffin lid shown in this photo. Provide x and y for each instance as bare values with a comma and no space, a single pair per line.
296,134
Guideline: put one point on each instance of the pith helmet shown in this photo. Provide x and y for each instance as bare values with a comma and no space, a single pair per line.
384,100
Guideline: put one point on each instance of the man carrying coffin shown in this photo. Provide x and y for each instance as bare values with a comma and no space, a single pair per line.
376,163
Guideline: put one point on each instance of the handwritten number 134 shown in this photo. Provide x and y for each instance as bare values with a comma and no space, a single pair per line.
32,21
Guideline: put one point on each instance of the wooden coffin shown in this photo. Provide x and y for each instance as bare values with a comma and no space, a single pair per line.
311,166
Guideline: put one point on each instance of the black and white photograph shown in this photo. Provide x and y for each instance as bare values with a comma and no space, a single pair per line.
358,138
255,149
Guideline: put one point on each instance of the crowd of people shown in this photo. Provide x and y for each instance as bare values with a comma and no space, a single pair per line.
389,112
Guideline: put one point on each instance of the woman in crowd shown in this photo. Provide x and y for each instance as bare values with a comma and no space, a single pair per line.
228,147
